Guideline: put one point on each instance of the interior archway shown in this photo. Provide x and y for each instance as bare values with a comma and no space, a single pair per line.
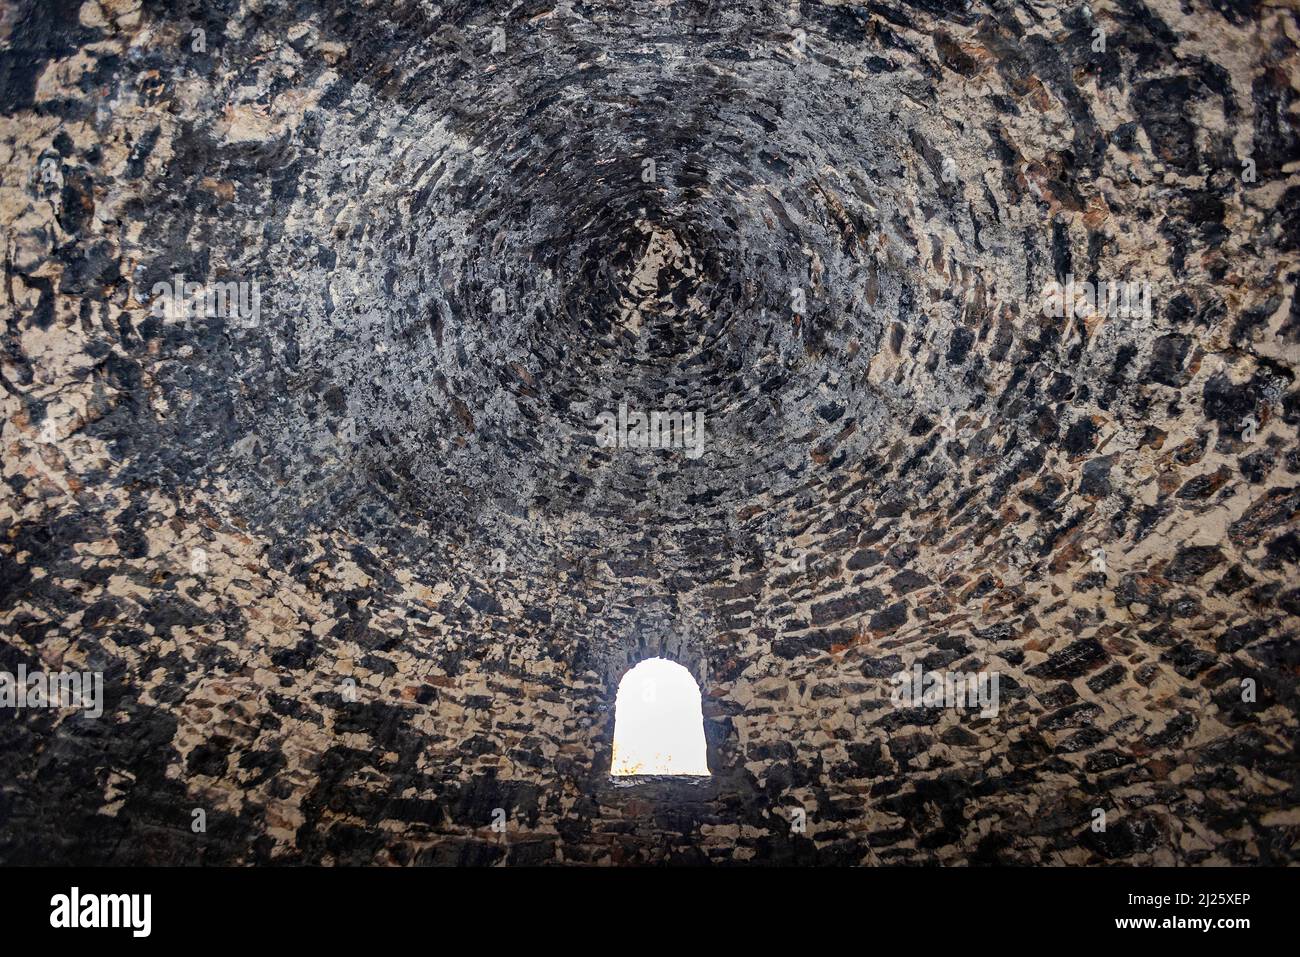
658,722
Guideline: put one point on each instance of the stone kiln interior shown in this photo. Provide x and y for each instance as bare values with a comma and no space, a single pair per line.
362,581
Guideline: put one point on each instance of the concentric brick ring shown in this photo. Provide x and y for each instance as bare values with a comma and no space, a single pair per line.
462,291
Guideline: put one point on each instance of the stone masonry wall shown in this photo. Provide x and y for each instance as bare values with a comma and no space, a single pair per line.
357,571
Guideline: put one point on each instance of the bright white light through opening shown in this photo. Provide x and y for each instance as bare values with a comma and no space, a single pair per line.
658,725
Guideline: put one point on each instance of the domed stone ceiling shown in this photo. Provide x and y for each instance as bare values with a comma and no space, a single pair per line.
359,570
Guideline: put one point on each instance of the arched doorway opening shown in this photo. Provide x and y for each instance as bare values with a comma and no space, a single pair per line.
658,722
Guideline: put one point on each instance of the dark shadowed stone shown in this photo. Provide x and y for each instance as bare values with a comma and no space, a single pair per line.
1101,761
1081,740
1070,716
1167,360
1074,661
1193,561
890,618
1096,476
842,607
1107,679
1124,837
